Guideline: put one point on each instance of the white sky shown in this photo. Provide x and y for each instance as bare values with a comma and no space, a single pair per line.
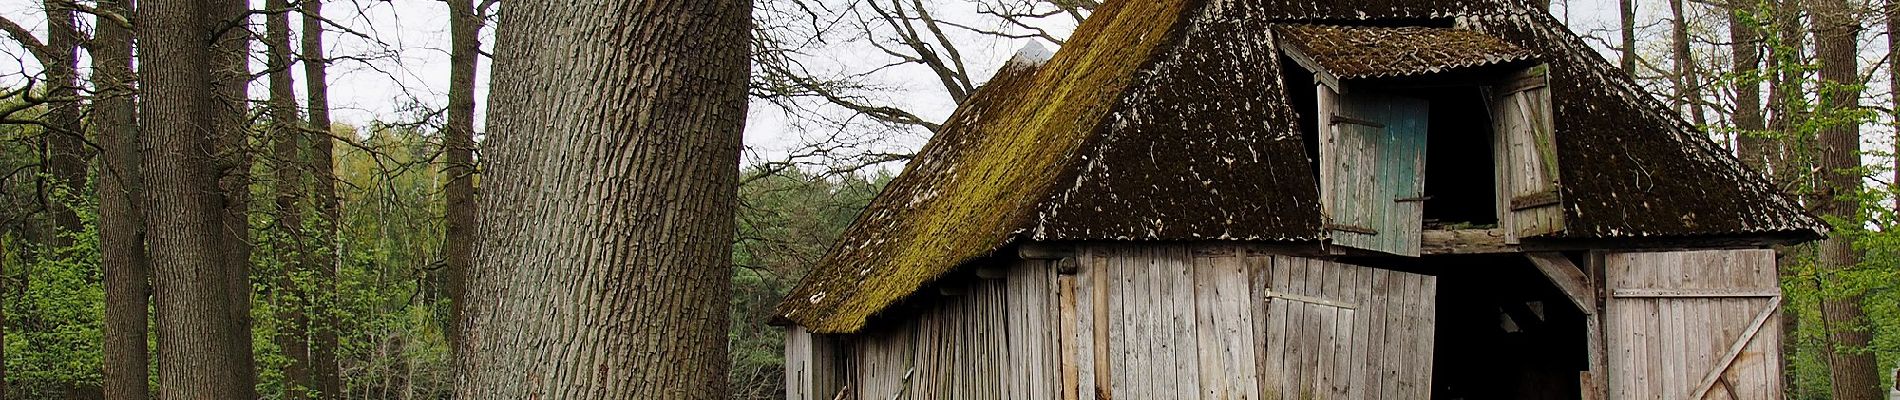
410,65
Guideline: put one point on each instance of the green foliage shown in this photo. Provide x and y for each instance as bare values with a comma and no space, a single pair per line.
55,309
1870,226
787,220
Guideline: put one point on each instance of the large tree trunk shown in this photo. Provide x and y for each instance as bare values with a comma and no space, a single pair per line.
177,119
1627,9
65,140
121,195
458,244
606,213
324,344
230,82
286,134
1851,367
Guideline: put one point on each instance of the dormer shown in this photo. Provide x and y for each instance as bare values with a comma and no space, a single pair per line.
1419,128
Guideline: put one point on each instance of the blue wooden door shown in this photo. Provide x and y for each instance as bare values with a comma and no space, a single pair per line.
1378,171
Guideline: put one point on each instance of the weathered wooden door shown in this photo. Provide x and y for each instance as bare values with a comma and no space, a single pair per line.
1373,170
1524,146
1342,331
1693,325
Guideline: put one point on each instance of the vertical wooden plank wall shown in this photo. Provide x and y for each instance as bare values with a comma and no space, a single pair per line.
1693,324
1340,331
812,370
995,339
1236,322
1159,322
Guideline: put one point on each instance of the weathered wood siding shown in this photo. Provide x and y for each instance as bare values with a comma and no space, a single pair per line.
992,339
1525,151
1693,324
1372,162
812,370
1145,322
1235,322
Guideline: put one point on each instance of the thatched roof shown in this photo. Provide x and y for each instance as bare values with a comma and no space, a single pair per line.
1166,120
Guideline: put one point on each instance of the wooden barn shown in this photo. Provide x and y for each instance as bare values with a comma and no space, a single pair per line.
1298,199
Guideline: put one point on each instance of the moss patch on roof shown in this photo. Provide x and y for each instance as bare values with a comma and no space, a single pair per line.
976,184
1350,52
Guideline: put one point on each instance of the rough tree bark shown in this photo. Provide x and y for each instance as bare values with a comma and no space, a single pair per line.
458,243
121,195
1688,84
605,219
286,138
1745,41
324,326
227,26
1891,10
1851,367
1627,9
65,140
185,220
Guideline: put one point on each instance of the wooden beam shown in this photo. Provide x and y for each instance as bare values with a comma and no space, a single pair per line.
1493,241
1319,73
1712,293
1568,279
1044,251
1464,241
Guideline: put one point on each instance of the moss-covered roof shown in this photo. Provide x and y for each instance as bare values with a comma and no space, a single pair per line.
979,181
1349,52
1165,120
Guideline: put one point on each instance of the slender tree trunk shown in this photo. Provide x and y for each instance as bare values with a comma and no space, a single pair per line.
3,324
1785,90
1745,40
323,259
1891,9
458,244
606,214
185,223
286,133
1851,367
1688,81
1627,9
230,82
65,141
121,219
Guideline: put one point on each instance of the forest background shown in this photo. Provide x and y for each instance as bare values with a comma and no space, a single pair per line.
842,93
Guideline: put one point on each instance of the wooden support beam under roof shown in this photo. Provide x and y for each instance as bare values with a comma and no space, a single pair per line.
1492,241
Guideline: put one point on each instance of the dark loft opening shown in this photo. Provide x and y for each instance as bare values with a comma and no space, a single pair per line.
1304,99
1504,332
1459,172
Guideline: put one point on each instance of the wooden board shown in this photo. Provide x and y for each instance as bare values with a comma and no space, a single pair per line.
812,367
1524,147
1341,331
1217,321
1373,169
1692,324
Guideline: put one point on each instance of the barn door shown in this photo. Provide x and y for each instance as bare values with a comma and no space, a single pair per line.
1342,331
1693,325
1373,173
1525,147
